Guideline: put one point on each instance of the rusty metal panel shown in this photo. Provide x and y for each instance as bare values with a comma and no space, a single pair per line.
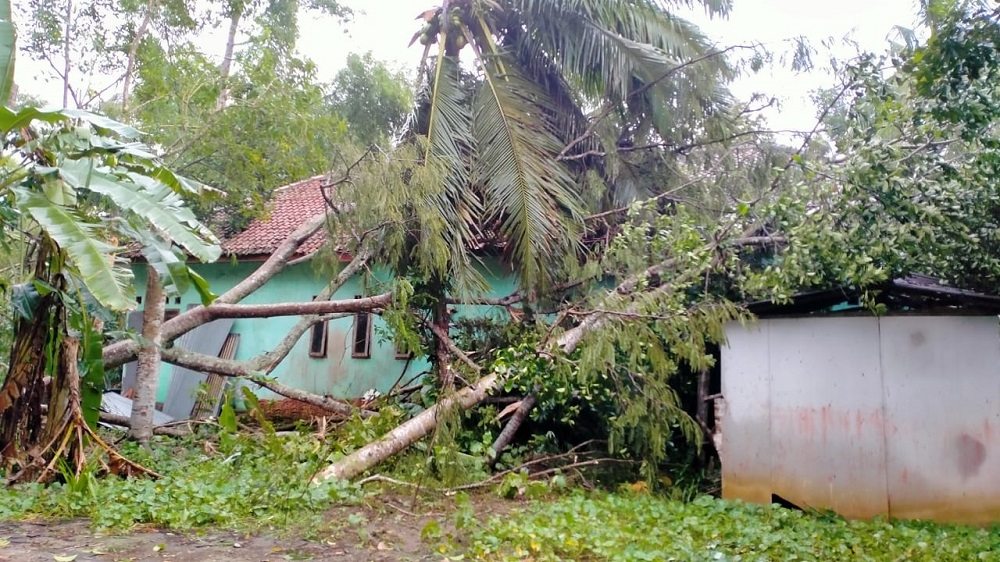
746,421
827,439
942,396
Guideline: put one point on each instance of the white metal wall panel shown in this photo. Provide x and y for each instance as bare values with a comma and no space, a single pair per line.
827,443
942,395
746,424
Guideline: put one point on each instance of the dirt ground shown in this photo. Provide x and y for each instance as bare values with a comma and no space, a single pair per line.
381,531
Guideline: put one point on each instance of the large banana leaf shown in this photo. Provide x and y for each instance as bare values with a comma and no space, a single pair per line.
110,285
11,119
150,199
8,50
171,265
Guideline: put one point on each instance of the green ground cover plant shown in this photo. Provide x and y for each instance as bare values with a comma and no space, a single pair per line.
237,481
631,527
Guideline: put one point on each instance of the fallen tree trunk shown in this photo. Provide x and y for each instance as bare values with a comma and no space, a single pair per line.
417,428
157,429
407,433
509,430
421,425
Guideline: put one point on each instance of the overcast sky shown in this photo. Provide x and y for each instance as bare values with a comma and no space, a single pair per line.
387,25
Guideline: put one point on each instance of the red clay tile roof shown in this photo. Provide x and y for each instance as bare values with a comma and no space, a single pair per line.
292,205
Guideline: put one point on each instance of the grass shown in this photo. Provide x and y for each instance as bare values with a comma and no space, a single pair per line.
625,528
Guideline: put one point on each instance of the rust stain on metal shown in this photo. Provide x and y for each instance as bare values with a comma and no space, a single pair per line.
971,455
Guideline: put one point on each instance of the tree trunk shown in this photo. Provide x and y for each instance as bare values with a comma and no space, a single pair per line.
509,430
147,378
133,51
43,372
406,434
67,37
227,58
419,426
442,321
416,428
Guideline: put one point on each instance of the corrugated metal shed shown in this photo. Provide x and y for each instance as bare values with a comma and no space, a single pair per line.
896,415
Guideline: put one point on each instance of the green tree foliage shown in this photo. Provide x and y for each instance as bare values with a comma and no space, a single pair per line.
374,99
255,122
915,186
8,36
276,128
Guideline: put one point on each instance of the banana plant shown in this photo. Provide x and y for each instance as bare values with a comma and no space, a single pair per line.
80,190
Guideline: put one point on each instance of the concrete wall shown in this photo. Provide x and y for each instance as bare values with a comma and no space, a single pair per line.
338,374
866,416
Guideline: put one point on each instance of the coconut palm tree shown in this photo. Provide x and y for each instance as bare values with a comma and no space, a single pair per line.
552,86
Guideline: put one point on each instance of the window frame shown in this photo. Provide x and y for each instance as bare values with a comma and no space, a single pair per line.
367,353
324,344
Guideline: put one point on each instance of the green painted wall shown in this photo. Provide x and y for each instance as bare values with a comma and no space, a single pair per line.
338,374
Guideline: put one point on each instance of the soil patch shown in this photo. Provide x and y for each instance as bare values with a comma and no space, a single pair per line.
385,529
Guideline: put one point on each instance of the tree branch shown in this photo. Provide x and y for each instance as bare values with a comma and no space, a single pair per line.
443,337
123,351
268,361
239,369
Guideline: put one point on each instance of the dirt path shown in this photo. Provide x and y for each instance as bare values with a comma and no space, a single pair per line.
373,533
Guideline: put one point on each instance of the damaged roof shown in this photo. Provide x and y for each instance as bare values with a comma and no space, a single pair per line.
914,292
291,206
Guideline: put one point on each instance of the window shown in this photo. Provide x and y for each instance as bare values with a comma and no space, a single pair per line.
317,339
401,351
362,348
170,313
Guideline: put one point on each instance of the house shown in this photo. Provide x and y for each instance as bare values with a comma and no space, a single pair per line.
827,406
344,358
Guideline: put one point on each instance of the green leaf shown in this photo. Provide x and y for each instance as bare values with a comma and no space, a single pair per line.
24,300
102,122
525,189
149,199
110,284
227,418
8,51
201,285
169,263
91,374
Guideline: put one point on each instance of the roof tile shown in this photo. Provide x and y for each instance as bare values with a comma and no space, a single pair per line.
292,205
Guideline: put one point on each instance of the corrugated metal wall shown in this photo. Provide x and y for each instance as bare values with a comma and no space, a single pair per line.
895,416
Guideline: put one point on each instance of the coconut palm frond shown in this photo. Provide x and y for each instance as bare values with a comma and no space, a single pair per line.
531,196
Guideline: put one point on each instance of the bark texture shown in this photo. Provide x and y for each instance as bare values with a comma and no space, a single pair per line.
227,58
510,430
133,50
147,377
